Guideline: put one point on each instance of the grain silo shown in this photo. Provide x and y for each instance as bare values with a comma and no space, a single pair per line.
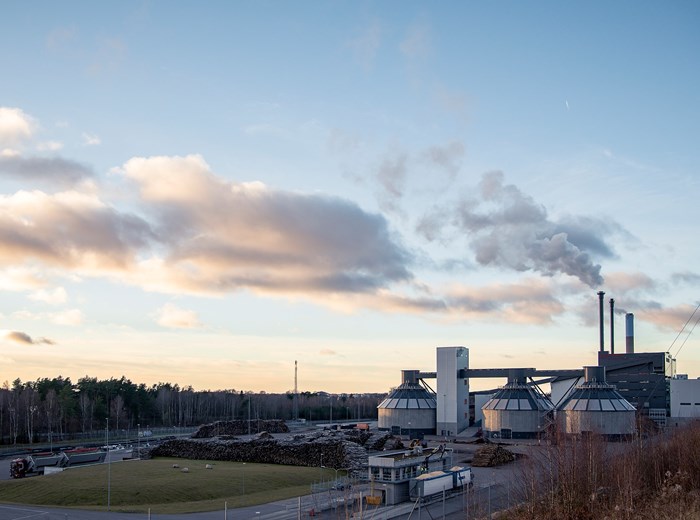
596,407
409,409
517,410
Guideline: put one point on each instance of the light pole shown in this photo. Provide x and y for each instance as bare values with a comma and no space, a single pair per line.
109,467
244,478
138,440
336,473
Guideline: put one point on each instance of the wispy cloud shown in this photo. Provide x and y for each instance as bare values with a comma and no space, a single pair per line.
49,146
417,42
51,170
26,339
91,139
70,317
172,316
15,126
366,45
56,297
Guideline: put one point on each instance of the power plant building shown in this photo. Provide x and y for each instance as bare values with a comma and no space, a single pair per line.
452,390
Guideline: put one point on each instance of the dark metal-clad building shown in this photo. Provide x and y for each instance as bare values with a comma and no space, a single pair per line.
642,378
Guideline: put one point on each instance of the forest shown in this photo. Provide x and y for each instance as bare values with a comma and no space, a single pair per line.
57,408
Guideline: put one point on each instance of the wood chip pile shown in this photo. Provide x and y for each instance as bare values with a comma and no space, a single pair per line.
492,455
239,427
332,449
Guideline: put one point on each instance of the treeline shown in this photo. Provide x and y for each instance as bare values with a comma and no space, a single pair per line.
58,408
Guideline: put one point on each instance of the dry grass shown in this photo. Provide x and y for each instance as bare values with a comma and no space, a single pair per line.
656,479
137,486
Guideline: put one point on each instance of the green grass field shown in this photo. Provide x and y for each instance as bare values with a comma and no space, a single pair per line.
139,485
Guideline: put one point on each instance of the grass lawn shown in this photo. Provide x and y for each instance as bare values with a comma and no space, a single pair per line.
139,485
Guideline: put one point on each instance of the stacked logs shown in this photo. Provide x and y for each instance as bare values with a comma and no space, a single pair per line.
239,427
267,451
492,455
330,449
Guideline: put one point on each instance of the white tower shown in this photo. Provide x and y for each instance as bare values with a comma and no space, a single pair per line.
452,390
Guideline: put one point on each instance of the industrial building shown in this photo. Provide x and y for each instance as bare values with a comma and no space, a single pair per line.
620,387
390,473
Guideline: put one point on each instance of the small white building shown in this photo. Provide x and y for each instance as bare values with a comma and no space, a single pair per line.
391,472
685,398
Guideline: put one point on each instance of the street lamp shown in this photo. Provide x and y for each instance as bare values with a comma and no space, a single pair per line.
109,466
138,440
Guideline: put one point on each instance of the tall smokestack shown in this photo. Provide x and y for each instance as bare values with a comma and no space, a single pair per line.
629,333
612,326
601,306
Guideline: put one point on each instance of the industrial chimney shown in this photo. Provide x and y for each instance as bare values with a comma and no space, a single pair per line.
629,330
612,326
601,305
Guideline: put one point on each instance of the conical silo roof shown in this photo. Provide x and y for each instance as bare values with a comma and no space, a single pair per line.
518,396
597,397
409,396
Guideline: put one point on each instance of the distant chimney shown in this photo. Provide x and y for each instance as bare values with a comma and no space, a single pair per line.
612,326
601,305
629,333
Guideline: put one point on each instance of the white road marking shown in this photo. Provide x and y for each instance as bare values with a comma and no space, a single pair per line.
36,513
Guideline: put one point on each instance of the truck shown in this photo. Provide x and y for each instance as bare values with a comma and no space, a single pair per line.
429,484
41,463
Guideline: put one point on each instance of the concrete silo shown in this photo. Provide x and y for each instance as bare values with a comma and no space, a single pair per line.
596,407
409,409
517,410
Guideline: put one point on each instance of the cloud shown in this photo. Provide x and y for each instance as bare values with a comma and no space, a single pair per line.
667,318
509,229
26,339
366,45
60,37
56,297
50,146
71,317
686,277
22,278
328,352
172,316
626,283
416,43
220,236
391,175
70,230
91,139
15,126
447,157
58,171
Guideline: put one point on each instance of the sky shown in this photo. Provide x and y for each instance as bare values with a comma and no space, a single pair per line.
202,193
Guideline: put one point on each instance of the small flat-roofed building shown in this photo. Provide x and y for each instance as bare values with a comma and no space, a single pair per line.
391,472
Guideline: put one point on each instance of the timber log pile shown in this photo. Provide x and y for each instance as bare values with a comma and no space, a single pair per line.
339,450
491,455
239,427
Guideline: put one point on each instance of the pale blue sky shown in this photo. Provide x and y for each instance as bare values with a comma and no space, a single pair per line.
205,192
